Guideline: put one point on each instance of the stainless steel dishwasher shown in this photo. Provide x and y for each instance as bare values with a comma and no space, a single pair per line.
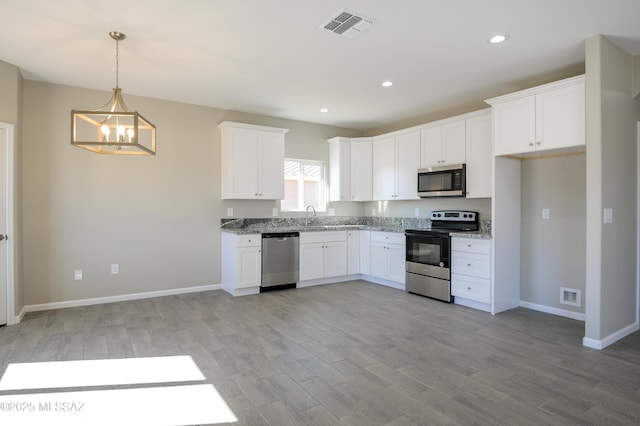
280,251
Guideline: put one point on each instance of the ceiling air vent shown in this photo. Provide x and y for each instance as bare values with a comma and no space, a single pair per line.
347,24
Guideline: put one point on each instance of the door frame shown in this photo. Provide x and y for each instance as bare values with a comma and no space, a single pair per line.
12,318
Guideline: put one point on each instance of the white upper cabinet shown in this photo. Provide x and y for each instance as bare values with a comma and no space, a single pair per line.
252,161
361,169
350,169
443,144
339,169
479,157
539,119
396,160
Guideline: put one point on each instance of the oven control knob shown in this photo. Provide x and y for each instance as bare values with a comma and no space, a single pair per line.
442,264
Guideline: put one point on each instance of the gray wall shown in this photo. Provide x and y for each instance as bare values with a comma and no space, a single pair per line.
612,116
11,83
553,251
157,217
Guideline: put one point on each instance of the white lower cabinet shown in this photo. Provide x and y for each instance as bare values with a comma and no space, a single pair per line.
471,272
323,254
388,256
241,263
353,252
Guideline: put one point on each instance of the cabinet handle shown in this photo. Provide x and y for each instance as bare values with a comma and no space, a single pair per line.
468,245
259,250
468,288
530,143
468,264
537,143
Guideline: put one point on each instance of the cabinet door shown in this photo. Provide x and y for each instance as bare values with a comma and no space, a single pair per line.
431,146
479,158
454,143
408,163
365,252
335,259
384,169
271,166
249,271
361,170
560,118
379,260
242,158
514,126
339,169
311,261
397,258
353,252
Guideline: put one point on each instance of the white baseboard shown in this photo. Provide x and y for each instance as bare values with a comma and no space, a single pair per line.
119,298
385,282
323,281
610,339
472,304
554,311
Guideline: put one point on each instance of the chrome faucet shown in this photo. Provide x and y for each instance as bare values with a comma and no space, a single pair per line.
306,220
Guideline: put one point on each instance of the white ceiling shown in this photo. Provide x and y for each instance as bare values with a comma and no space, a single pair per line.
272,57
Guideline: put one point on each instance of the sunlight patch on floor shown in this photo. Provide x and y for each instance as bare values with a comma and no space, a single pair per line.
150,405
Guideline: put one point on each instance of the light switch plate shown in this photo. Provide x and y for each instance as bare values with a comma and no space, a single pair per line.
545,214
229,211
115,269
274,212
417,212
77,274
373,212
608,215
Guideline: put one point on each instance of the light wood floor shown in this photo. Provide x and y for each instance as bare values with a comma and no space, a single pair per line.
358,354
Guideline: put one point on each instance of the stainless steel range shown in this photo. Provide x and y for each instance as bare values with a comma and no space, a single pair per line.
428,253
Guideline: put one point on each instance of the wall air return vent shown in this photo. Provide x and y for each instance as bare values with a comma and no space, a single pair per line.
347,24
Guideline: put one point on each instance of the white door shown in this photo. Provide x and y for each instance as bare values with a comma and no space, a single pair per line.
4,288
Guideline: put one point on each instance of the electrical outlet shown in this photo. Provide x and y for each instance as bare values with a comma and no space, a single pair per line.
373,212
417,212
229,211
332,212
115,269
608,215
77,274
545,214
274,212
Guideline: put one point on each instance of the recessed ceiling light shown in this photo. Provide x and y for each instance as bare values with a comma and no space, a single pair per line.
324,110
497,39
387,83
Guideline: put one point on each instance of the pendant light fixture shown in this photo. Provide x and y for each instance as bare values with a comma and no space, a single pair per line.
113,129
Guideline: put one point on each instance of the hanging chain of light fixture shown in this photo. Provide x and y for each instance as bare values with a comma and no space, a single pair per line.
113,129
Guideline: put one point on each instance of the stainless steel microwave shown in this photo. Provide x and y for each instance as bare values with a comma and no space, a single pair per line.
442,181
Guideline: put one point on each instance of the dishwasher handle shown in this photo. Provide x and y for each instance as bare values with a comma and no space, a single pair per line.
281,236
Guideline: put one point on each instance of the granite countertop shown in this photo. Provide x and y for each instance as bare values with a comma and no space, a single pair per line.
481,235
242,226
312,228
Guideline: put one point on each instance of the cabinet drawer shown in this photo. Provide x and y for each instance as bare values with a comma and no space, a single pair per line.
471,264
388,237
472,288
471,245
249,240
322,237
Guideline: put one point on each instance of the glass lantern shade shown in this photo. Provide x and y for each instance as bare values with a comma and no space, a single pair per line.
113,129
